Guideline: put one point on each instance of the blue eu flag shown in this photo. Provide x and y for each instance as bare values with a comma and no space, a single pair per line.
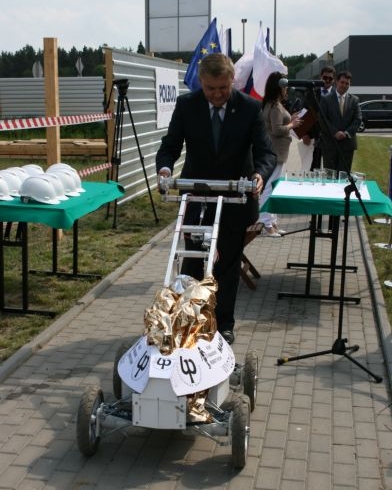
208,44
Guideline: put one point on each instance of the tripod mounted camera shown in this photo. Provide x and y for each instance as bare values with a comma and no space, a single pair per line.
123,106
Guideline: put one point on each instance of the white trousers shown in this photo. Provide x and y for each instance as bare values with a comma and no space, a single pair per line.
269,219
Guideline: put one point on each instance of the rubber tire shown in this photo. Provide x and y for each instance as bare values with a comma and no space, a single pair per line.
117,381
85,427
250,375
240,431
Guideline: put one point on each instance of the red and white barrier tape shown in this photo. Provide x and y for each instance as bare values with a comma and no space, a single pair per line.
92,170
46,122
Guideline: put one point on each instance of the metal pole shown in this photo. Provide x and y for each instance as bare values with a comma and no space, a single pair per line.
243,35
275,52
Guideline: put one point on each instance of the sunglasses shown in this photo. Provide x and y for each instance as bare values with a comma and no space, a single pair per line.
327,79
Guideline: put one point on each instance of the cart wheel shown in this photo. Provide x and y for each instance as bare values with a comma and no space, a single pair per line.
117,382
251,369
86,420
240,431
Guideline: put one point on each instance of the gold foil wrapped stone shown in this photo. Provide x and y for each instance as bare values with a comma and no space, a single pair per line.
181,314
196,409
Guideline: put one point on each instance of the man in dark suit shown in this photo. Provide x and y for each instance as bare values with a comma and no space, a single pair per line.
341,117
243,149
312,101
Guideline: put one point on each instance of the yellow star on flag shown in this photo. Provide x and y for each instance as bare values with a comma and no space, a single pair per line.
213,45
204,51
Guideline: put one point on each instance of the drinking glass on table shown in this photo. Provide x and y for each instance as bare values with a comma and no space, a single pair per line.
360,179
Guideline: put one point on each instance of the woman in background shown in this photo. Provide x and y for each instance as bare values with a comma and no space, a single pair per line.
279,122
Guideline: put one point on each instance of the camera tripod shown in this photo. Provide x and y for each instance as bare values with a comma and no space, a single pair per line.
122,104
339,346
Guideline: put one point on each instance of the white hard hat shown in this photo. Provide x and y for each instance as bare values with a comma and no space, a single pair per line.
68,180
4,190
65,166
67,176
21,172
62,166
13,180
33,169
57,184
38,188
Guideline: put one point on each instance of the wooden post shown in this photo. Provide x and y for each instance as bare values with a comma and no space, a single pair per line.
53,152
109,103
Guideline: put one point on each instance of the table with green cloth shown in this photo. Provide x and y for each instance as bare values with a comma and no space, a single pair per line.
64,215
317,199
294,197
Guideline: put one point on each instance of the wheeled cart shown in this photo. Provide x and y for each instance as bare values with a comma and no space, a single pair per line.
195,386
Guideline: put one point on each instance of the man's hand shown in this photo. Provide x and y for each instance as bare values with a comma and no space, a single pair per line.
259,185
306,139
164,172
340,135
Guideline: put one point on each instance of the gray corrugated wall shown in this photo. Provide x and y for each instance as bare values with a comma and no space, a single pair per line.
25,97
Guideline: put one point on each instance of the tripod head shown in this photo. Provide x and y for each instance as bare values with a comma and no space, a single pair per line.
122,86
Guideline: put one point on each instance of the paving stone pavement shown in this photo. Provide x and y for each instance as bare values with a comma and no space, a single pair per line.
319,423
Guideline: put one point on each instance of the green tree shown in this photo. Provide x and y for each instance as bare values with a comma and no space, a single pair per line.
141,49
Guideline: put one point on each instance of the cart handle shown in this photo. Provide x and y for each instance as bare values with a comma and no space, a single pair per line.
199,185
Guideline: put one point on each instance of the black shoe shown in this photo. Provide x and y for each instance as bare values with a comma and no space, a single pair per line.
228,336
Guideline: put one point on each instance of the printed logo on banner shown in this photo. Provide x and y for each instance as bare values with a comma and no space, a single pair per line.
161,366
133,367
166,91
140,366
202,367
189,370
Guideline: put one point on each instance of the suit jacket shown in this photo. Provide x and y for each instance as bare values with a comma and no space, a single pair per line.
244,146
349,122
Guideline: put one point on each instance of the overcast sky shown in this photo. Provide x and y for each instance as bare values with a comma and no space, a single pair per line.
302,26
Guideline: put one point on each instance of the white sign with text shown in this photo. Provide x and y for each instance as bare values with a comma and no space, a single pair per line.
166,90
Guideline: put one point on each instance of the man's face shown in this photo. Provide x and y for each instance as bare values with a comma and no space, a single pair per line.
342,85
217,90
328,79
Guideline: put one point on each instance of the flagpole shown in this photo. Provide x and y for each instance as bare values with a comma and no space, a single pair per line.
275,53
243,35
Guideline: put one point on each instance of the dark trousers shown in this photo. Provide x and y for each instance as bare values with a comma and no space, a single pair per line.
338,159
235,219
316,160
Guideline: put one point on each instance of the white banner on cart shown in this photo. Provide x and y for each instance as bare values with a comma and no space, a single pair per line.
189,370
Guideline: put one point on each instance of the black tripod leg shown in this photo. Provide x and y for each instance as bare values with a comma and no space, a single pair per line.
283,360
141,158
377,379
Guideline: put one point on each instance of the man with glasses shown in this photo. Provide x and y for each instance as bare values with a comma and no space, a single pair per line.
327,75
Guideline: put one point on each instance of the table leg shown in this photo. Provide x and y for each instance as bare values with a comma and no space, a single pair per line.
316,232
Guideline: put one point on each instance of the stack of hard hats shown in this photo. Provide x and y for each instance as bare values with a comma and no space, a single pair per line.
69,177
32,183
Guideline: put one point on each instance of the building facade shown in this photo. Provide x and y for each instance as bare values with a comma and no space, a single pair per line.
367,58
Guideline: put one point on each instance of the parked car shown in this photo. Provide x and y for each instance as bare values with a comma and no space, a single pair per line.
376,114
